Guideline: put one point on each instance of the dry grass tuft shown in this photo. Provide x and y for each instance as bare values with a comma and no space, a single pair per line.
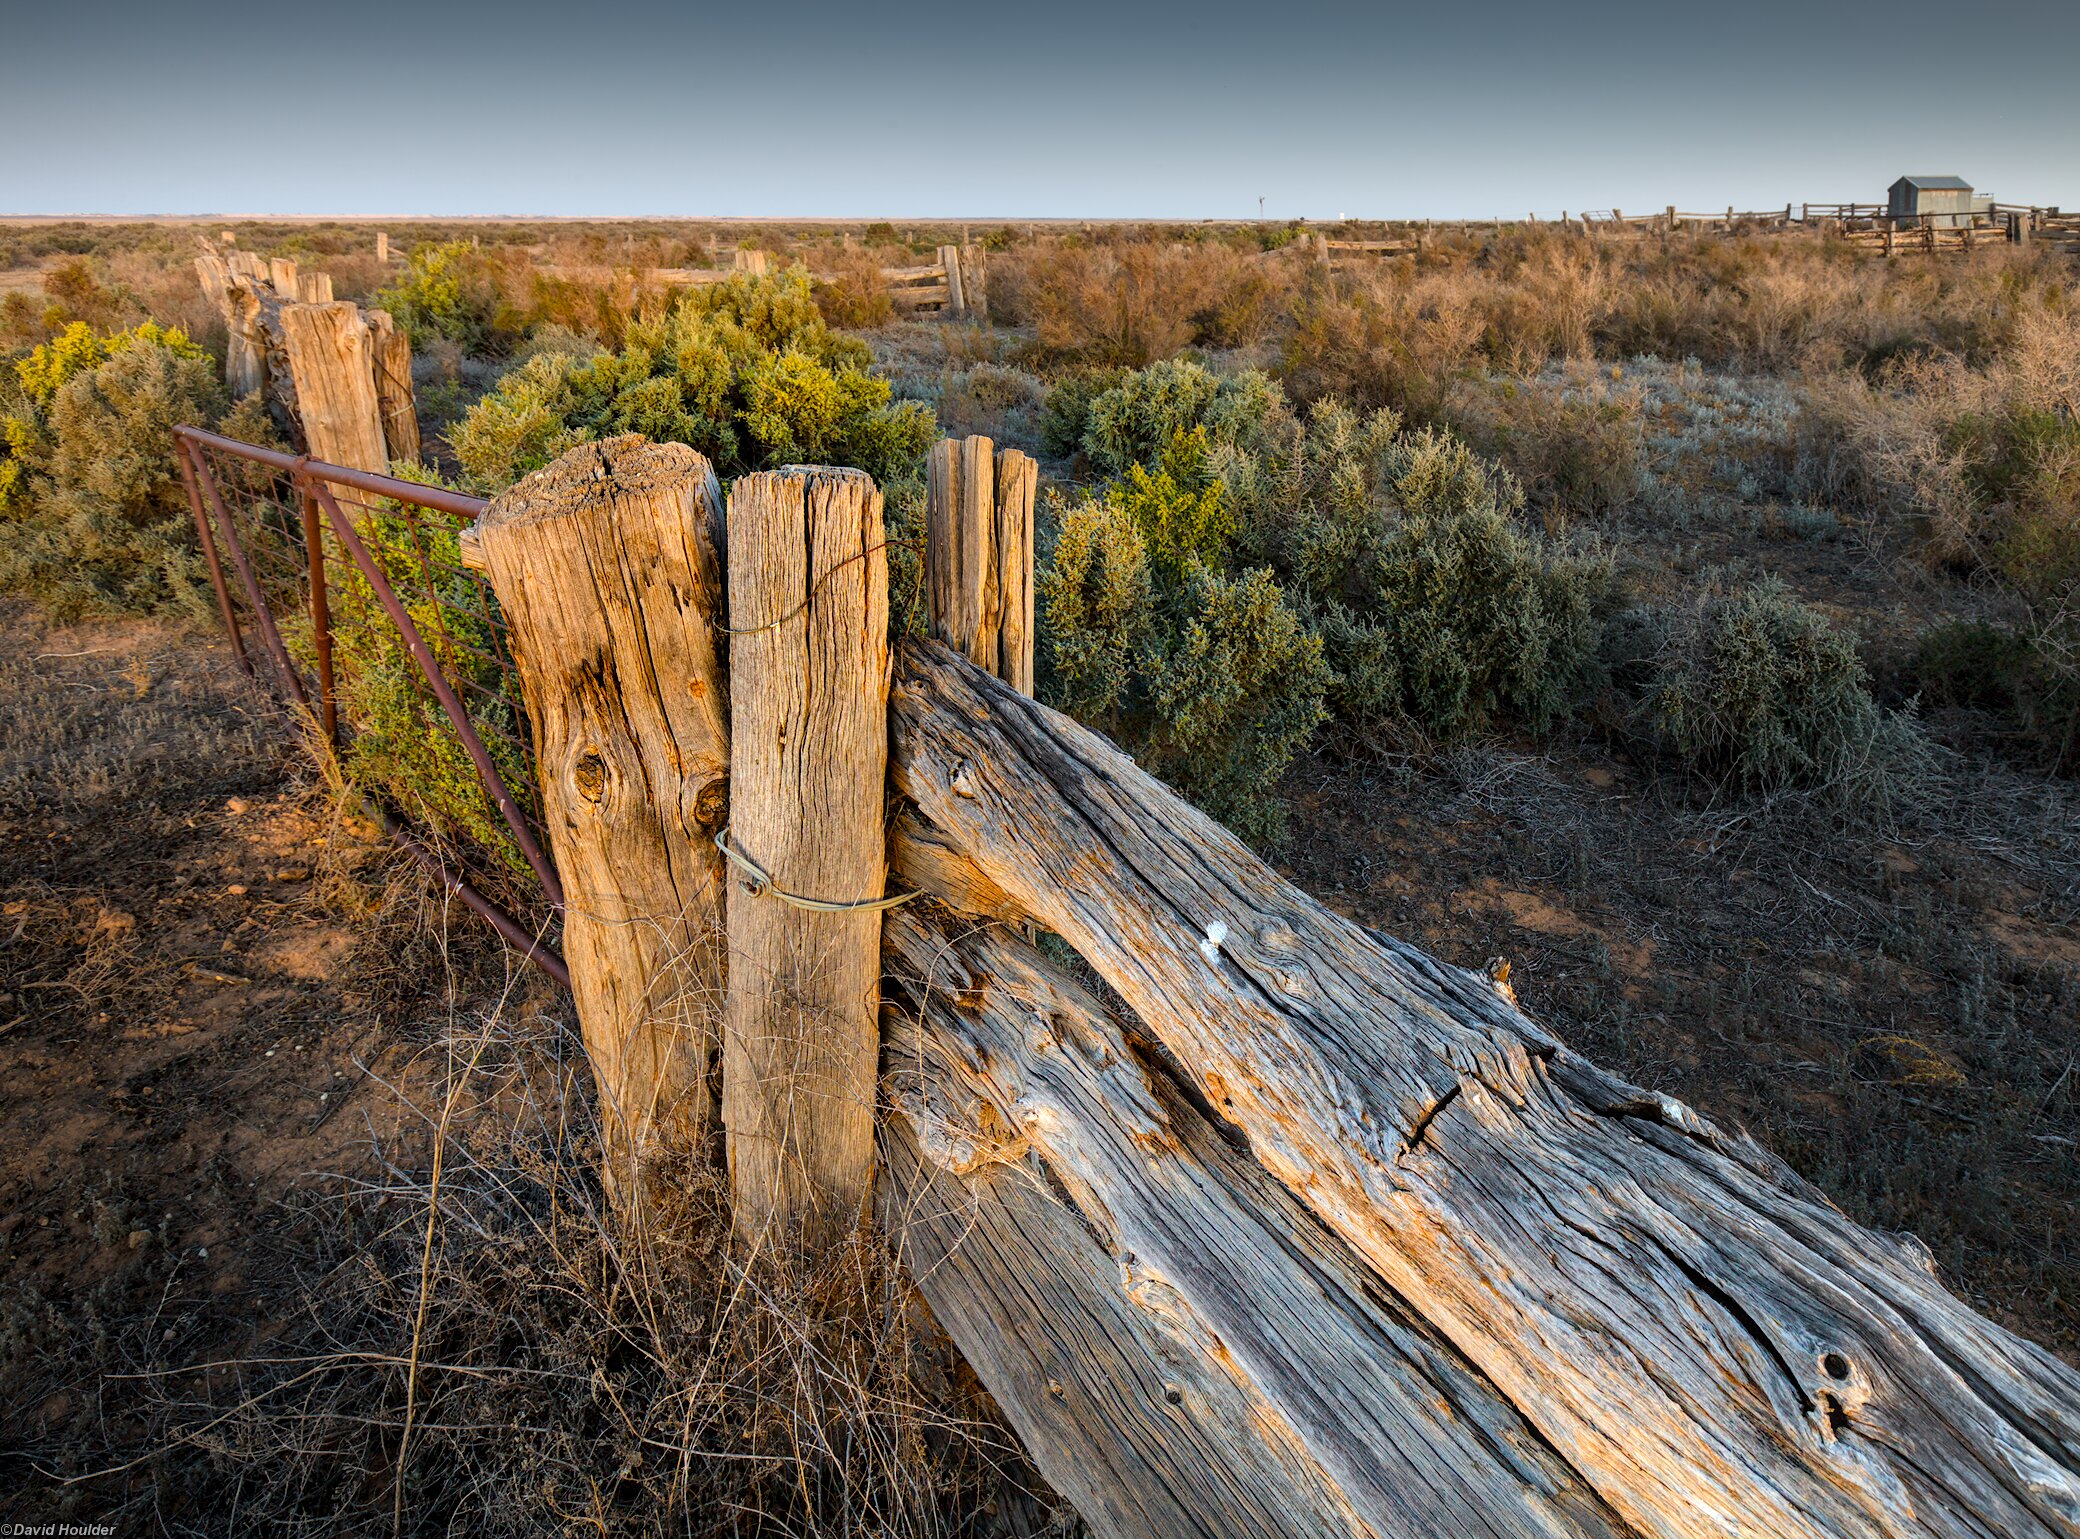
476,1345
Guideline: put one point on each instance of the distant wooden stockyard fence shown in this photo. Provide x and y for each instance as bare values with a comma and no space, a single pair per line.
955,285
1294,1230
1868,226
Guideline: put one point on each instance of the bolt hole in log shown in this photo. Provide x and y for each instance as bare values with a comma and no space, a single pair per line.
1680,1319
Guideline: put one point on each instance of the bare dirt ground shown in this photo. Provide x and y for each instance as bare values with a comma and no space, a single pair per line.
1895,1014
197,980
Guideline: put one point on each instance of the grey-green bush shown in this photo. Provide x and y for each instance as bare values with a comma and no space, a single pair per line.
102,524
1134,421
1470,619
1211,681
1758,693
746,371
1438,608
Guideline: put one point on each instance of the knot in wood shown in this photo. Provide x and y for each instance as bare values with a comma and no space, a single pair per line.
1843,1391
589,775
711,803
964,782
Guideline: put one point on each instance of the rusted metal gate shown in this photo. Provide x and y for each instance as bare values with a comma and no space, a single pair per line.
287,539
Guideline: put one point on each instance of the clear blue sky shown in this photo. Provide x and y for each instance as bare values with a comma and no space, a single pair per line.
1064,108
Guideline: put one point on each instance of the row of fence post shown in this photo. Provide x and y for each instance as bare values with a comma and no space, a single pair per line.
719,819
337,378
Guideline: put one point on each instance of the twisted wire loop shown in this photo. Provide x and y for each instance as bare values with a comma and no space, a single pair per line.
762,885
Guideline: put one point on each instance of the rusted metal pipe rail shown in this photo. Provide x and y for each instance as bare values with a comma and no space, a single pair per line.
308,484
461,504
444,692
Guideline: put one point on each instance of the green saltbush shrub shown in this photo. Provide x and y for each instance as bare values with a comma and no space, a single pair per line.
1758,693
1470,619
1211,681
1066,412
1247,569
452,292
1136,420
2029,674
91,495
745,371
1971,663
1439,609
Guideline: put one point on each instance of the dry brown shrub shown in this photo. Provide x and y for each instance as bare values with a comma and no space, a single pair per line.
855,295
1136,301
1384,341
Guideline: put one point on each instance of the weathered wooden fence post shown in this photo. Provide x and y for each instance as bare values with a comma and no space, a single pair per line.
382,248
393,373
245,354
809,672
281,276
214,274
956,295
312,289
979,555
606,567
332,362
975,281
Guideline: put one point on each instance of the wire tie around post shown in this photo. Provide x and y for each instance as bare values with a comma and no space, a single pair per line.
760,883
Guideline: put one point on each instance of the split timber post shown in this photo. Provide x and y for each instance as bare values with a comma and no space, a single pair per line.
281,274
312,289
245,353
975,281
956,296
214,274
399,407
382,248
332,362
979,555
606,567
809,672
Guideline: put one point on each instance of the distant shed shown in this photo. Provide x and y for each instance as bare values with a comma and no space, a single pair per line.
1948,198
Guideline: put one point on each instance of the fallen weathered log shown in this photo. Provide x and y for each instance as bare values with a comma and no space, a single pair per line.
1708,1343
1185,1350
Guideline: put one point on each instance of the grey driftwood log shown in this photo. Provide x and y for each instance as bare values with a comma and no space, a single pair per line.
1688,1327
1185,1349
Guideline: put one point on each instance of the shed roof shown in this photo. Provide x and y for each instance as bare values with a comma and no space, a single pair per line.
1937,183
